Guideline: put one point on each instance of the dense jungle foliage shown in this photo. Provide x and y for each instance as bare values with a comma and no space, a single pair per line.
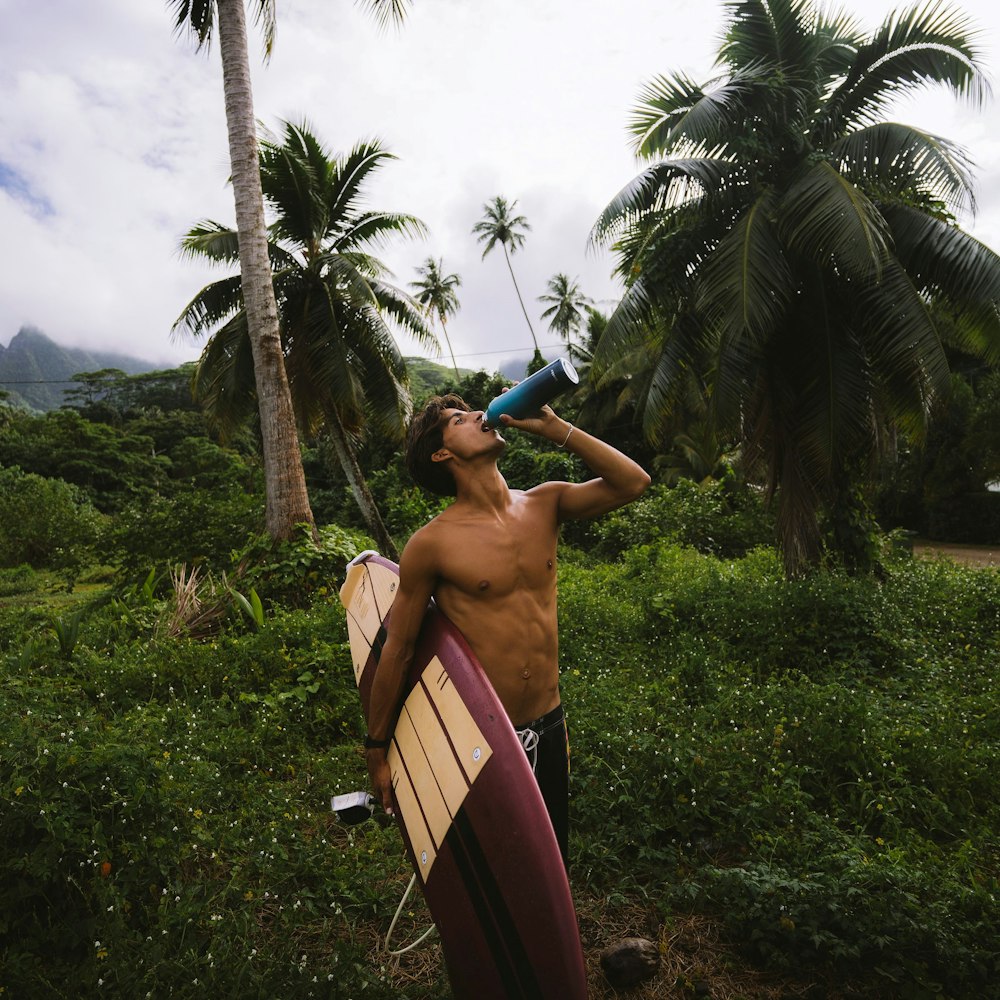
787,784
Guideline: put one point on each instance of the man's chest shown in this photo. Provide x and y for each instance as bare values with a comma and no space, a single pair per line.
495,559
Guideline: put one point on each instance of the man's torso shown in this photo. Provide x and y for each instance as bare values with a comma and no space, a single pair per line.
496,581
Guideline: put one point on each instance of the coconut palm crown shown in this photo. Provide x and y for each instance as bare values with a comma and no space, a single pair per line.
437,293
567,305
500,225
785,243
336,307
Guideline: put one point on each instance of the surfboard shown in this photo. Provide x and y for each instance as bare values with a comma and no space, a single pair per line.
469,810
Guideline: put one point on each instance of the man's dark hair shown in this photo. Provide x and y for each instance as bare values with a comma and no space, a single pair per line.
424,438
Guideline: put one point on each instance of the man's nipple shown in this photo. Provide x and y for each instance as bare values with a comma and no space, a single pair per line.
484,584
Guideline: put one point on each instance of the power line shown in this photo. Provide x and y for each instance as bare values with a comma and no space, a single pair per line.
439,357
510,350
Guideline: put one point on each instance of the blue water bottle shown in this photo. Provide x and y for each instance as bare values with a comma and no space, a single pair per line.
529,396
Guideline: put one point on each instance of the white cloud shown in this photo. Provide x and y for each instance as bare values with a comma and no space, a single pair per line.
114,145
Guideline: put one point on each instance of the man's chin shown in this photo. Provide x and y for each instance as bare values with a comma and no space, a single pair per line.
497,436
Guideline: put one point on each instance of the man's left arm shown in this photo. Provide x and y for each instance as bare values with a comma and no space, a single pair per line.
619,480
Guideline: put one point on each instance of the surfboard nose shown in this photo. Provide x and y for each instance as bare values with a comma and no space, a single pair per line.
355,574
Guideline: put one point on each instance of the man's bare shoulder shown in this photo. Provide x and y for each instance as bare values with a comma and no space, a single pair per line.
427,542
552,486
548,492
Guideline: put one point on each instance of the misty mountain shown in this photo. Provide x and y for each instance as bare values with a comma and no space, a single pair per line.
35,370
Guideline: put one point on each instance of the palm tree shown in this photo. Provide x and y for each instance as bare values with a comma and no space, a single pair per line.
436,292
785,242
345,369
500,225
568,305
287,502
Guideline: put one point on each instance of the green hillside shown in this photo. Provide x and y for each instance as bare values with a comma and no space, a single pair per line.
36,371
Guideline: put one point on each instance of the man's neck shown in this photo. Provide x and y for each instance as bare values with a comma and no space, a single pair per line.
483,489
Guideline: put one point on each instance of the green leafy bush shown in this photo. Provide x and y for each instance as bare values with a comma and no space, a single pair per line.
809,761
192,526
718,518
167,827
45,523
295,572
17,580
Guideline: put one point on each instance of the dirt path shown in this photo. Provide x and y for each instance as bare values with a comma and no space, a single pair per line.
971,555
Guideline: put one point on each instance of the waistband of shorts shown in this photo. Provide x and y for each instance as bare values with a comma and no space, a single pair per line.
545,722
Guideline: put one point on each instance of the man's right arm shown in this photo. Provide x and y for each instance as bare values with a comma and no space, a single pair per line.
416,585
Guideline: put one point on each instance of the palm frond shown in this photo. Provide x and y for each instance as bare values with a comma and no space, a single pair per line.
292,186
667,184
933,43
387,399
405,313
266,18
677,350
889,157
367,264
745,285
948,263
195,16
376,229
839,35
627,327
213,241
341,273
778,33
899,333
387,13
977,332
942,258
674,108
322,350
834,403
827,219
224,380
214,304
349,173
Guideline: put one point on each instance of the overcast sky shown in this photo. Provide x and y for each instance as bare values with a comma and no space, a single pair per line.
112,144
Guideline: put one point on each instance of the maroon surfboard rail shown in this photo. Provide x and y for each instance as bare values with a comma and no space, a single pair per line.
469,810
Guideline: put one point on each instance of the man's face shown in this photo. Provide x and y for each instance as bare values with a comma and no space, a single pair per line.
462,433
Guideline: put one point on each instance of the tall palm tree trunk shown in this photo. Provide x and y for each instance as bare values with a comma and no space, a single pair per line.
447,340
359,487
506,257
799,534
287,502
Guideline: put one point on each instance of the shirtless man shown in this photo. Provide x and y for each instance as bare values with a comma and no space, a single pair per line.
489,561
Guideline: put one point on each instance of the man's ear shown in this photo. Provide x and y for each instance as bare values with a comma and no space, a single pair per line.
441,455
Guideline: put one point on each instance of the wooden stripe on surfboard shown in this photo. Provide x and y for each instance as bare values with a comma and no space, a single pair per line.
367,594
437,752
